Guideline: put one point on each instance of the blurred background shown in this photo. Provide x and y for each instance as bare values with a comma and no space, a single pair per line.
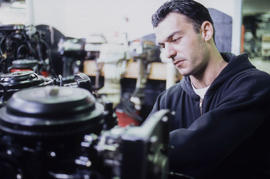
83,18
113,42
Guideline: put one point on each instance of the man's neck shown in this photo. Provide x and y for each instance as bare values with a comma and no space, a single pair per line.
215,65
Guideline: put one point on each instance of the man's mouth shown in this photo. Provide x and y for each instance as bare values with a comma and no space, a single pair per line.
178,63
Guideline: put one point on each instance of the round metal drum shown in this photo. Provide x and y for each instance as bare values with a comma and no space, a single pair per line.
51,111
20,79
24,64
12,82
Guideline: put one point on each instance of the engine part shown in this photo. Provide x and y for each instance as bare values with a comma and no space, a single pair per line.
42,128
58,132
114,58
12,82
73,53
24,65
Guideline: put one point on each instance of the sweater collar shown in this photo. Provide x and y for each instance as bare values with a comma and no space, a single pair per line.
235,65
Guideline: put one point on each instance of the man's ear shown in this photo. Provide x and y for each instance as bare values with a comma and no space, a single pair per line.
207,30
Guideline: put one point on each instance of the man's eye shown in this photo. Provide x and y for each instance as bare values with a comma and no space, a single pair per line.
161,46
176,39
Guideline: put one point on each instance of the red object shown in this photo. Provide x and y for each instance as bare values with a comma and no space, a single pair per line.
125,120
16,69
44,73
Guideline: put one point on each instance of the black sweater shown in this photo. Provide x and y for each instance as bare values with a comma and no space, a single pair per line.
229,139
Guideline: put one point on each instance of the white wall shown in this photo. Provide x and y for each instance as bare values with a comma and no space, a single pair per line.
80,18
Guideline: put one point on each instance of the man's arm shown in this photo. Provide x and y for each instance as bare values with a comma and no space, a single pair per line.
158,104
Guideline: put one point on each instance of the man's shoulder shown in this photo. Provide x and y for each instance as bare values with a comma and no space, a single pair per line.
171,92
240,67
175,89
255,75
250,82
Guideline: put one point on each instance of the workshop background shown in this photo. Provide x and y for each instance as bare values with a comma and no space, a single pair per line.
120,55
119,51
121,22
109,49
85,18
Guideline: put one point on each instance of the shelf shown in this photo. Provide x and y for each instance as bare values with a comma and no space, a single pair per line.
158,71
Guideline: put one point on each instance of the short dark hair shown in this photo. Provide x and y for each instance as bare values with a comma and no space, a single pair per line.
195,12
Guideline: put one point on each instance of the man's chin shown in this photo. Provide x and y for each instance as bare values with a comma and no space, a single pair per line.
182,72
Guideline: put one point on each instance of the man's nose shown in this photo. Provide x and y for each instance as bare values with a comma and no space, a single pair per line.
170,51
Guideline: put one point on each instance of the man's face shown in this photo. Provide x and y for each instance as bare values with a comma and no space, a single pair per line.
180,42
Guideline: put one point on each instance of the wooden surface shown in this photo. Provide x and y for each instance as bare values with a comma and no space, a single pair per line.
158,71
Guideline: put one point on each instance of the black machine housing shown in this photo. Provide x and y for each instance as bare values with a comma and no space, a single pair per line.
58,132
15,81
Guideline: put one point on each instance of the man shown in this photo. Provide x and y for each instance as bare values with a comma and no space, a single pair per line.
221,123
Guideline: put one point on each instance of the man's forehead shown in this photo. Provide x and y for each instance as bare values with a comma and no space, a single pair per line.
166,28
171,24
